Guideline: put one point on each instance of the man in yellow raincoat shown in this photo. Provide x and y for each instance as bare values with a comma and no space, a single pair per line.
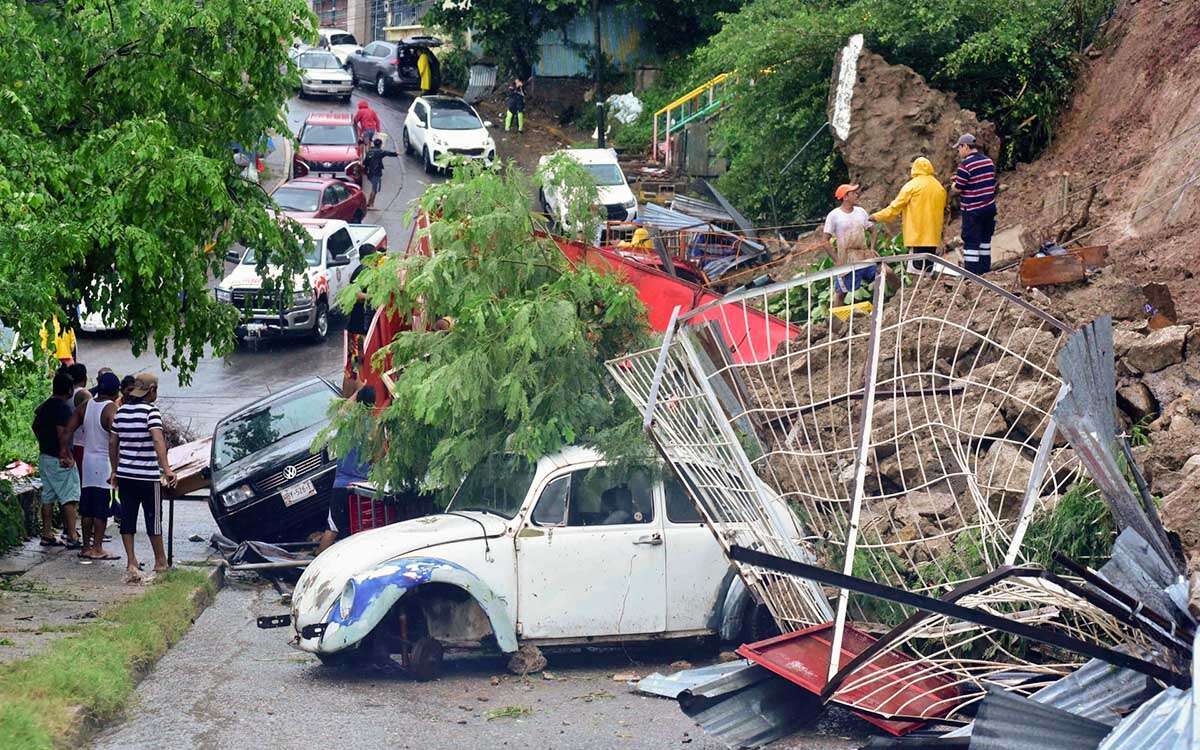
922,202
426,71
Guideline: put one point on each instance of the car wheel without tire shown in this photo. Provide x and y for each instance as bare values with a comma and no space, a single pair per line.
408,149
381,85
425,659
321,324
430,167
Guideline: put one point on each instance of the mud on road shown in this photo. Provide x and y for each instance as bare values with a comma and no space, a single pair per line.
229,684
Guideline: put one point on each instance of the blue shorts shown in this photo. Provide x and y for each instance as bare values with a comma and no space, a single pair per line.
60,484
376,181
855,279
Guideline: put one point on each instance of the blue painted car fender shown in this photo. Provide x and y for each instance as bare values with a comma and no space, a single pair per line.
369,596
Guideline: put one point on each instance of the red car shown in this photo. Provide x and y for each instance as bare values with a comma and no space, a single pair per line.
328,148
321,198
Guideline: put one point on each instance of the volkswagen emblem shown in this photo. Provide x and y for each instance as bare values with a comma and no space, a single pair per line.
289,472
328,163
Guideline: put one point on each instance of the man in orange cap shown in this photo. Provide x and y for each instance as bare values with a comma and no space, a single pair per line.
846,231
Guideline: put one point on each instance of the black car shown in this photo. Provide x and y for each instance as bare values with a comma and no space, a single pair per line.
393,66
267,485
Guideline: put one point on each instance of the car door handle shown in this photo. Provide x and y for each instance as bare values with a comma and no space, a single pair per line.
653,539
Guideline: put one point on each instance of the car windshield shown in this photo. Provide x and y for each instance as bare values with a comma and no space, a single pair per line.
312,253
319,60
498,485
343,39
455,119
257,429
329,135
606,175
297,198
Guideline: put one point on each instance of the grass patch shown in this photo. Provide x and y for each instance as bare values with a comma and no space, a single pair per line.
91,675
509,712
1080,526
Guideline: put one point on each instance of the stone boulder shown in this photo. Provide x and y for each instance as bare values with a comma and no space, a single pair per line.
1136,400
1179,515
1002,475
883,116
1151,352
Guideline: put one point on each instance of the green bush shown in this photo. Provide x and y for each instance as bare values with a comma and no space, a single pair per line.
1014,63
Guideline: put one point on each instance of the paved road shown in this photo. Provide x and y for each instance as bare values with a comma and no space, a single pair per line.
227,684
221,385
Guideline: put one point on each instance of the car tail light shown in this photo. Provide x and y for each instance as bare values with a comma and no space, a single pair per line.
394,61
354,169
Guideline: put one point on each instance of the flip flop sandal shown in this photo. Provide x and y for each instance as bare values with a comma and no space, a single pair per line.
106,557
73,544
50,542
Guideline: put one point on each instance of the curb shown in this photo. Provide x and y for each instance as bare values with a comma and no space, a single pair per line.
201,598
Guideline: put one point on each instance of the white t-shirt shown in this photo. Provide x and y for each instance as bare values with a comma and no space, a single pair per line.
849,228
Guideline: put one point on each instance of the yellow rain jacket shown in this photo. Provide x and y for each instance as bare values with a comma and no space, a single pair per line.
423,68
922,201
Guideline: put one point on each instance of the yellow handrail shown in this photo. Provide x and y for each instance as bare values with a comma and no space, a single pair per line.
694,93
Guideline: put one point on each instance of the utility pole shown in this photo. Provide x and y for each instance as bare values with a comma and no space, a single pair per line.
599,73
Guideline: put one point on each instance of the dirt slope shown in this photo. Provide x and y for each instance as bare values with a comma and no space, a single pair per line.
1133,127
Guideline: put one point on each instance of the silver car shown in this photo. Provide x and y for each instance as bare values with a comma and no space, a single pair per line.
322,74
395,66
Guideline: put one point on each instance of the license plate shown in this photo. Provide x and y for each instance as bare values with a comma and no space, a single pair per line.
297,492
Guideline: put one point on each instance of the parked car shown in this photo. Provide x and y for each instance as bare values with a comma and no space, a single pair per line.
328,148
392,66
266,483
438,127
321,198
565,551
332,253
321,73
616,200
338,41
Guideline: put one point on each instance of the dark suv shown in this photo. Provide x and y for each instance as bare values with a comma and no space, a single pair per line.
393,66
266,483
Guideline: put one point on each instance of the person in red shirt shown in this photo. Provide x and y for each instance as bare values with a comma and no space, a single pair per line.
366,123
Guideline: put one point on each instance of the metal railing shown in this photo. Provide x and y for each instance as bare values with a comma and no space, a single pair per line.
697,104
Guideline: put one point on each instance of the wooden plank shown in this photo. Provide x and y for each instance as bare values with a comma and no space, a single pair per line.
189,462
1051,270
1093,256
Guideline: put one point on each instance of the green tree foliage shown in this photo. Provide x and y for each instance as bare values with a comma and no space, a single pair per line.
507,30
1011,62
117,183
517,362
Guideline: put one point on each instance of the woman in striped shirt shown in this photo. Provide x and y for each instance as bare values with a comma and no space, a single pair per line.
139,451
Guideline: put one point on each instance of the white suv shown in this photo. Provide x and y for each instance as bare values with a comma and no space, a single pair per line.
617,202
439,127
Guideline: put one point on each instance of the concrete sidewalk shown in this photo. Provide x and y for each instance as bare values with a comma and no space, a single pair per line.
46,592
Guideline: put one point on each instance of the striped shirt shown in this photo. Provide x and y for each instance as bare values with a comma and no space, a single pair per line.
136,458
976,182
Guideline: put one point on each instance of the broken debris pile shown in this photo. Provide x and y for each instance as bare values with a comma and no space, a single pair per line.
917,443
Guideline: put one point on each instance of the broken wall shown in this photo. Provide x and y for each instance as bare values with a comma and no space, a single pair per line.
883,116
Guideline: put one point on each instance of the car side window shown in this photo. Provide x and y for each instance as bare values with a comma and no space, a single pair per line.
606,496
339,243
680,508
422,116
551,508
340,192
330,198
372,49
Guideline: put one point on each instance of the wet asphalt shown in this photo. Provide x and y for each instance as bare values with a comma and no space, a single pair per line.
221,385
228,684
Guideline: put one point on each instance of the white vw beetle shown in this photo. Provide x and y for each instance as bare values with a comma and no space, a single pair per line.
569,551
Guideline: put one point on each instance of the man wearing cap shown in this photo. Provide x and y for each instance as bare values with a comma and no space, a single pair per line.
975,183
846,232
93,419
139,452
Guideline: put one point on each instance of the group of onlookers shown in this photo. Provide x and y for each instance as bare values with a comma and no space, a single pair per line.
102,455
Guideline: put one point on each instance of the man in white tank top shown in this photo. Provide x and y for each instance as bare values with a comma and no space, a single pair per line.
93,419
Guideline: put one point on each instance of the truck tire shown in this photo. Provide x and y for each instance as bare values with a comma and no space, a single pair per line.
758,625
321,321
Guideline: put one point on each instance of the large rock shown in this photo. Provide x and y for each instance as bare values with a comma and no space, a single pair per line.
1179,515
1136,401
883,116
1003,474
1153,351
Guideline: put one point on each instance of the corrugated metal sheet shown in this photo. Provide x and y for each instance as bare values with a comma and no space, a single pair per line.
481,82
670,686
1007,721
1137,569
700,209
1165,722
749,707
670,220
620,35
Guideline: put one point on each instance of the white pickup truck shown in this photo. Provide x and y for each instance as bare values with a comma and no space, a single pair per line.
332,254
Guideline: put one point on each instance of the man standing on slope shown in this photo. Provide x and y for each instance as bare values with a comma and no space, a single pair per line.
922,201
975,183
